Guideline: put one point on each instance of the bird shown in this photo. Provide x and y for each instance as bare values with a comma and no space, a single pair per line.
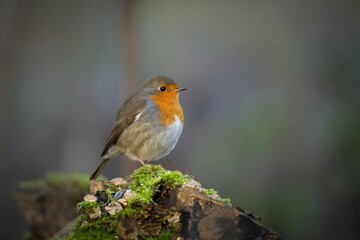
148,124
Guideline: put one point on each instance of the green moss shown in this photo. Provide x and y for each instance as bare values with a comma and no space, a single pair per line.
103,228
74,184
88,207
144,182
147,179
209,191
128,212
58,180
226,201
212,191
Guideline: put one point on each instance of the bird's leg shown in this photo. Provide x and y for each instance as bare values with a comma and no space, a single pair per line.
167,162
143,162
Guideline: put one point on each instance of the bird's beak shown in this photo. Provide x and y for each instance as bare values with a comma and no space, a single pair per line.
180,89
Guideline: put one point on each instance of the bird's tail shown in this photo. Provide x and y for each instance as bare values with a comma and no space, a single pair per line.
99,169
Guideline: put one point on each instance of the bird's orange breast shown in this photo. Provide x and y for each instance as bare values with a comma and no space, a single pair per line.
169,107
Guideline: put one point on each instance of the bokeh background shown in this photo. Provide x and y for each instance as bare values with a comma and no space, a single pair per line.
272,106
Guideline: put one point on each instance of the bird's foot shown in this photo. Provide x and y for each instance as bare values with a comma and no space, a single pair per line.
143,162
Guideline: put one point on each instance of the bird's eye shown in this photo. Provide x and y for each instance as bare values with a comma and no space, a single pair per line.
162,88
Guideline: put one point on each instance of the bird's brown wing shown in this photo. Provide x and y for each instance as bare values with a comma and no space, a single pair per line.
126,116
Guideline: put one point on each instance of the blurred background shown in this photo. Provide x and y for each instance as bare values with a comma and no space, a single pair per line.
272,107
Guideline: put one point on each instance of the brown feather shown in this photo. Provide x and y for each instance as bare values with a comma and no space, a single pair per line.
124,119
99,169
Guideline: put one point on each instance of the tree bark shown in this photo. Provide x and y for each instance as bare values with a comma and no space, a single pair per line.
202,217
186,211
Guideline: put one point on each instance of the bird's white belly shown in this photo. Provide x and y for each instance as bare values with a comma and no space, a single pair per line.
161,142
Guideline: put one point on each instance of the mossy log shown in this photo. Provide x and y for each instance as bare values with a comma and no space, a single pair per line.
201,217
49,204
154,203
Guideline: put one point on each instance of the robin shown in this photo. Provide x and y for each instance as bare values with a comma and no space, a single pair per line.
148,124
